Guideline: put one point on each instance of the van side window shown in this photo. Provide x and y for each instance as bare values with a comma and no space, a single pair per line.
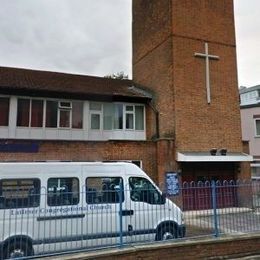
103,190
63,191
19,193
142,190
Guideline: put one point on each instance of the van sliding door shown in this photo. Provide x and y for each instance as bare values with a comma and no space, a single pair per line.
102,224
60,216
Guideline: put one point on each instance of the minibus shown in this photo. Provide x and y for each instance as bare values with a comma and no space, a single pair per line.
50,207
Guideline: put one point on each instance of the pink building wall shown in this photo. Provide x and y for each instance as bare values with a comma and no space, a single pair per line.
249,129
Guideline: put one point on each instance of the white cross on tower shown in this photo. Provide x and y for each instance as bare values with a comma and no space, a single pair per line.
207,56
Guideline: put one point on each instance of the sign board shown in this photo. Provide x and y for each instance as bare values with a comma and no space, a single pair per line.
19,148
172,183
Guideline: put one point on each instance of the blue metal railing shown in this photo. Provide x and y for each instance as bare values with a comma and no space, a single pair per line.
214,205
42,221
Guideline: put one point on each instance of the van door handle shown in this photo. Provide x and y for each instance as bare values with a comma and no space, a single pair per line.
127,212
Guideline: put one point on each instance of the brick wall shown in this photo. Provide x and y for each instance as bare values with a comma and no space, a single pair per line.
220,248
91,151
208,20
159,80
166,34
152,24
200,126
152,57
165,162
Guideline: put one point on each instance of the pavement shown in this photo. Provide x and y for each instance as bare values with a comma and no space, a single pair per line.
228,221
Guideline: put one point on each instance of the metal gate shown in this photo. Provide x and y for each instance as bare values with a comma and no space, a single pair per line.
198,196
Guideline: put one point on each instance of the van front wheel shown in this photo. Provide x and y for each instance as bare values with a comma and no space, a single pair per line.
18,249
166,232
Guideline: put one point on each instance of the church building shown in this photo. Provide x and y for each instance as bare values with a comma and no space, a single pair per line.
185,52
180,113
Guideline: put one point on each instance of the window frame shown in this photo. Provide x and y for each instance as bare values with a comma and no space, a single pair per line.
61,205
133,112
160,201
30,115
73,103
127,112
256,133
144,118
96,112
45,114
9,105
124,116
85,126
38,194
30,112
64,109
104,177
60,108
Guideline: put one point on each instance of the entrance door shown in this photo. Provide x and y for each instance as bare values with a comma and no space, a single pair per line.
197,177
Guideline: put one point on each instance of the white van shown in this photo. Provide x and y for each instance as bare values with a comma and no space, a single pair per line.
59,206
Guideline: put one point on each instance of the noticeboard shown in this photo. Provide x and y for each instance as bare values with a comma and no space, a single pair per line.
172,183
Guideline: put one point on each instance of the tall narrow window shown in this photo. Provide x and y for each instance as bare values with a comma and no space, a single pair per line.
77,115
64,114
129,117
118,116
257,124
108,116
95,115
51,113
37,113
139,118
64,118
23,112
4,114
95,121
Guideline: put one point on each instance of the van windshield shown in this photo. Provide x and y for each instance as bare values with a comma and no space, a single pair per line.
142,190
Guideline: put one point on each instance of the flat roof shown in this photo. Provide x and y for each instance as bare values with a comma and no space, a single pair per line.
245,89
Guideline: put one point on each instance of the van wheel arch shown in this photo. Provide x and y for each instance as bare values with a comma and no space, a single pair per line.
166,226
13,242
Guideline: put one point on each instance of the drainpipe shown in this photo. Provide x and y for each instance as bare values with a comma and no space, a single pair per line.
156,112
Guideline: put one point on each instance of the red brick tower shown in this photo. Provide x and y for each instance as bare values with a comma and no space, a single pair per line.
185,52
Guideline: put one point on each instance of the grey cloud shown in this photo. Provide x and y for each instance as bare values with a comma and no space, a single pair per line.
248,38
94,36
64,35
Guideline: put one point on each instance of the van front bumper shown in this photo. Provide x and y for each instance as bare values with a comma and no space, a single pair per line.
181,231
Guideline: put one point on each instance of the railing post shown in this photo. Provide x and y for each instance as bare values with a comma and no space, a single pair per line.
120,193
214,206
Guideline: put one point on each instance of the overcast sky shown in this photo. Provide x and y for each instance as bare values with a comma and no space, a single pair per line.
94,36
